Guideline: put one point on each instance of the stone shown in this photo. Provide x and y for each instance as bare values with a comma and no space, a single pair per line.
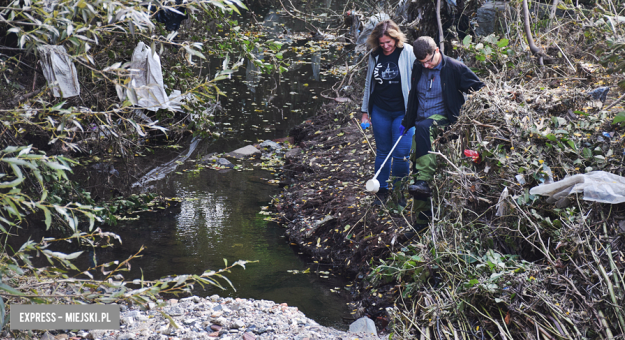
125,336
133,314
216,328
65,336
95,334
217,308
215,297
142,318
270,145
128,320
292,153
189,321
221,321
489,17
238,324
363,325
47,336
214,335
244,152
249,336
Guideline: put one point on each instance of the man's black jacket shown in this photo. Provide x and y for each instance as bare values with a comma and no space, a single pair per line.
456,78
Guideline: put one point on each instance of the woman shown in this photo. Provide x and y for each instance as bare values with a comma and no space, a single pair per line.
385,100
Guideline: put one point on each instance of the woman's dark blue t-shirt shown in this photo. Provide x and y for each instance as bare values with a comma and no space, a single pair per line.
387,93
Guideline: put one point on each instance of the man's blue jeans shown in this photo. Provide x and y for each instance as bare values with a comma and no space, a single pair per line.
386,132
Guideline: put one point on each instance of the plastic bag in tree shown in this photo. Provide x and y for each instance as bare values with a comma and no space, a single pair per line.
59,71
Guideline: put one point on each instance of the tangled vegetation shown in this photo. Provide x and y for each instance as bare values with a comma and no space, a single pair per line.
42,136
497,261
500,262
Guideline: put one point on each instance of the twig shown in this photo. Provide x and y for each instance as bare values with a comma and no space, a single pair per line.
615,102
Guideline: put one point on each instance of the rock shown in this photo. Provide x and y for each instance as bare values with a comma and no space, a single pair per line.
215,297
197,299
270,145
292,153
95,334
244,152
65,336
217,308
489,17
142,318
249,336
47,336
174,311
363,325
128,320
238,324
221,321
214,334
125,336
216,328
133,314
189,321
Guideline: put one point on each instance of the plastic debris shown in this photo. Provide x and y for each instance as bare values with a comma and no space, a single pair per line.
597,186
600,93
373,20
146,88
548,179
59,71
521,179
501,203
474,155
606,134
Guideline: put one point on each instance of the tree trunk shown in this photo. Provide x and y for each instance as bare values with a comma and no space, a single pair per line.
537,51
441,37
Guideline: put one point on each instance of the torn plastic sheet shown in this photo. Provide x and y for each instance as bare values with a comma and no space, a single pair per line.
373,21
59,71
598,186
146,88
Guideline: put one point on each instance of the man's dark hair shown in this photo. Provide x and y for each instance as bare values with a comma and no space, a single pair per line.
423,46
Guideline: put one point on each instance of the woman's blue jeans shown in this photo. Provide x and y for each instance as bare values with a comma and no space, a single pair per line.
386,132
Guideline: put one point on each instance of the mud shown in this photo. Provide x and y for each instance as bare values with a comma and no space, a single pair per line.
328,213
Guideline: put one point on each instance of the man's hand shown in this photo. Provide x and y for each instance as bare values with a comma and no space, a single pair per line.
364,121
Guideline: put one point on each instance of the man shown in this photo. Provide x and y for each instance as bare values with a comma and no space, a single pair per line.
438,83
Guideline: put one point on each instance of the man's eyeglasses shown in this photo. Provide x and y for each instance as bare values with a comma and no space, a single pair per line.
429,61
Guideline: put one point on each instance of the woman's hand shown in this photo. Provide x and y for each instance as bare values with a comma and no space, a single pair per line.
364,121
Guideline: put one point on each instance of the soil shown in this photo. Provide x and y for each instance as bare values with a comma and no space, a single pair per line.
328,213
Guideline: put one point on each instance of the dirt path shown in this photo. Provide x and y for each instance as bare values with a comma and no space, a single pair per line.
325,207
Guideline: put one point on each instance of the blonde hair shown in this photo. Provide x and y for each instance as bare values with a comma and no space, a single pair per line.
388,28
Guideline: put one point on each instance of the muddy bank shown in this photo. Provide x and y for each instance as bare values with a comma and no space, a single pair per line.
326,210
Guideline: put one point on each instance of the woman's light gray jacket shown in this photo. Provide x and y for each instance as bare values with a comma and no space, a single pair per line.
406,60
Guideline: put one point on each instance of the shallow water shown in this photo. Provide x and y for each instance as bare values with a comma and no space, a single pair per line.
218,216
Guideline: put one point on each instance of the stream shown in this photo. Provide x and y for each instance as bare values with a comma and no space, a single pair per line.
218,216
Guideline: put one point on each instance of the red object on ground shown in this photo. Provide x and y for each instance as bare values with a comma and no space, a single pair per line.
474,155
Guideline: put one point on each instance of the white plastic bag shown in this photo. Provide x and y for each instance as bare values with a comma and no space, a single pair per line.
59,71
598,186
146,80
